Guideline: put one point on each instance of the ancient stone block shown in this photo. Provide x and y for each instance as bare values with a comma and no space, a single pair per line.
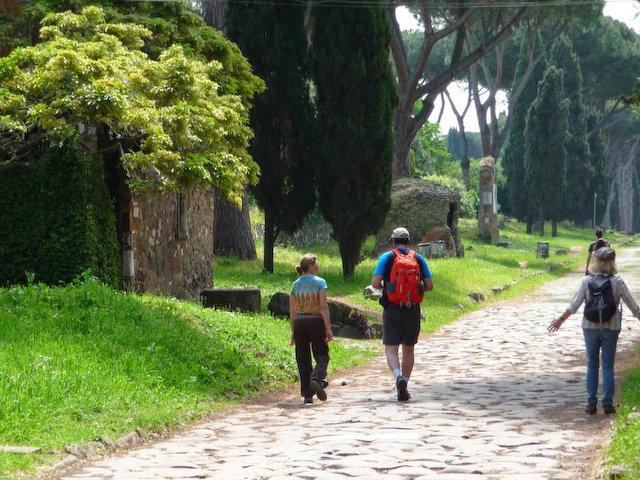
372,293
279,304
247,300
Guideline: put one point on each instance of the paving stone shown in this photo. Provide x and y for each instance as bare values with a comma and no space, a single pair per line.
486,392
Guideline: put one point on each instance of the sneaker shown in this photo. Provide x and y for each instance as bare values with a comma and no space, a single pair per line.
317,387
609,409
401,385
591,409
308,399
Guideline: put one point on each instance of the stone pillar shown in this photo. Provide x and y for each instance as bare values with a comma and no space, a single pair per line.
488,209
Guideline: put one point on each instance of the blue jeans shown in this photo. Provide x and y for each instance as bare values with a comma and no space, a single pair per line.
594,340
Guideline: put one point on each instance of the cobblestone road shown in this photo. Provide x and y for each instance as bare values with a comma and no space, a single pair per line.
493,396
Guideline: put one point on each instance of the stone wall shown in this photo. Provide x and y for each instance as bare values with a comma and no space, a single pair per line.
171,243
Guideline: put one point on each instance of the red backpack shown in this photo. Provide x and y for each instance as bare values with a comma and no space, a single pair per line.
405,280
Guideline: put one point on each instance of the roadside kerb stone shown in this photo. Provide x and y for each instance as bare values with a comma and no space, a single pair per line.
493,396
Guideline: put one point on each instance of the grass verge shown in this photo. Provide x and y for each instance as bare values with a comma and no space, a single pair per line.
624,451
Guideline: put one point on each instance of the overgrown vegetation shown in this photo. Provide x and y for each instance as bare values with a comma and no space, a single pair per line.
58,220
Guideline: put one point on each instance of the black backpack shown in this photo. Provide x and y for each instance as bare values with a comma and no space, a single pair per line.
600,306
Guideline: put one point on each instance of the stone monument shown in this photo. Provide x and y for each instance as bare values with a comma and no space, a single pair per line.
488,208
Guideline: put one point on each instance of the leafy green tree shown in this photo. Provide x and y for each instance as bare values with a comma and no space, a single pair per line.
623,149
610,43
178,113
614,44
577,162
272,37
546,134
497,68
514,154
356,99
428,146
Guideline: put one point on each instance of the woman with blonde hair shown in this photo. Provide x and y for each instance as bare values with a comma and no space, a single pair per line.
600,336
310,327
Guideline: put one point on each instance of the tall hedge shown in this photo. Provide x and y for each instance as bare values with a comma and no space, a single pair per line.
58,220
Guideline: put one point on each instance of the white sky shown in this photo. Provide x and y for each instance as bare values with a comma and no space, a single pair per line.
627,11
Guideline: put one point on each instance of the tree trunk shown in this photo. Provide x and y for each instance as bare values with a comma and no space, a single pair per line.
554,227
606,222
623,154
464,161
529,224
350,253
541,219
624,179
404,136
232,229
213,13
269,242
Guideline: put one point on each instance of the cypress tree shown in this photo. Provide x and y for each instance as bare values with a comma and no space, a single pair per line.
513,158
454,144
271,35
356,98
546,134
577,162
598,159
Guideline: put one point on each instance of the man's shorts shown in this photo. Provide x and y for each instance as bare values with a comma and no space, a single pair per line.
401,325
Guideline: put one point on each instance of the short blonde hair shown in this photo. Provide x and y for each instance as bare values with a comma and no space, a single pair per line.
607,267
307,260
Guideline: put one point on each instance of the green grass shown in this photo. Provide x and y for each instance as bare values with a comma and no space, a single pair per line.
83,361
483,268
624,449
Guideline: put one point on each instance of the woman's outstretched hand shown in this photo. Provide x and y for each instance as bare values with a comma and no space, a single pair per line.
555,325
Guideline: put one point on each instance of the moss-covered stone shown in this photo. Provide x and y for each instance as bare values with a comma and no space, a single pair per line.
429,211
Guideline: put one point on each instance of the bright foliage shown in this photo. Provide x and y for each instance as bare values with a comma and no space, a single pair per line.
174,125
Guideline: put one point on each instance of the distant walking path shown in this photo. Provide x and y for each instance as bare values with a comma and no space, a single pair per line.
493,396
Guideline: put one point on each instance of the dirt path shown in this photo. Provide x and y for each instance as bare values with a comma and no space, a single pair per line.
493,396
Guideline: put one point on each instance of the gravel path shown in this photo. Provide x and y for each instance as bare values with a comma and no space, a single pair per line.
493,396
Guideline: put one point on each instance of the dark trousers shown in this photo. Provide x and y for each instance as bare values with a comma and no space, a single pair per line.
309,336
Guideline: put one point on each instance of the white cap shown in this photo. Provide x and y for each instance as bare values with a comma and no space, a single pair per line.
400,232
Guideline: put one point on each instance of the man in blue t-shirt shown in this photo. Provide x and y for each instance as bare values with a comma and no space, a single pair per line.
401,323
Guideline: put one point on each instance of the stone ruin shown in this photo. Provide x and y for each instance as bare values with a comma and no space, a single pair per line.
429,211
488,208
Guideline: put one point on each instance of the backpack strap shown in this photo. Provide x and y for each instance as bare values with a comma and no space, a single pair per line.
389,265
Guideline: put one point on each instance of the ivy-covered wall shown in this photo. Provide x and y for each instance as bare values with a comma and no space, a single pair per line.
57,220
